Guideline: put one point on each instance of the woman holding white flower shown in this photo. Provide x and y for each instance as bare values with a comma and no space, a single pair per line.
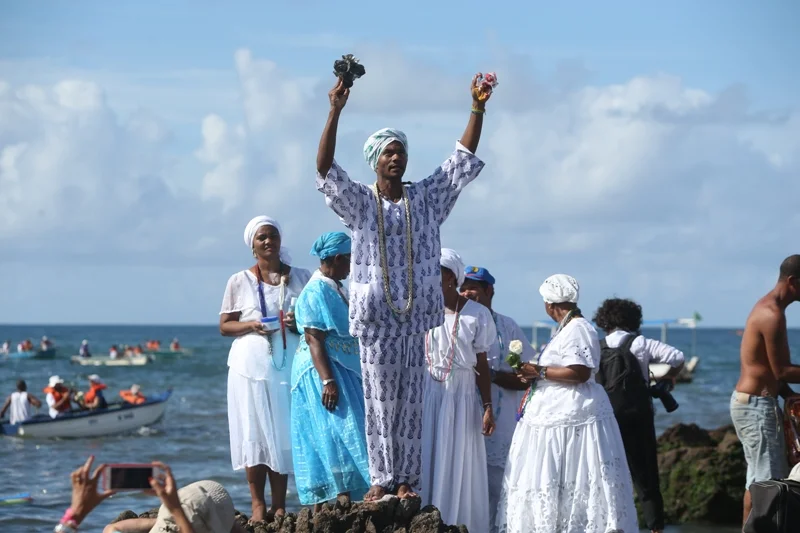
567,471
456,414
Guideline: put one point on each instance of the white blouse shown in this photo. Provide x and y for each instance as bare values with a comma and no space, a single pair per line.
476,334
248,353
565,404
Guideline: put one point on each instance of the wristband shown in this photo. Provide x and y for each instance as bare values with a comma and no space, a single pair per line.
487,404
543,372
478,111
328,381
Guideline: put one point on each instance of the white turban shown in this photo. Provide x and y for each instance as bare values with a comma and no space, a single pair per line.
560,288
257,222
453,262
379,140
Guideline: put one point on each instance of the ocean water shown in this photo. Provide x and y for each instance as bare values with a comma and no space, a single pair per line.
193,436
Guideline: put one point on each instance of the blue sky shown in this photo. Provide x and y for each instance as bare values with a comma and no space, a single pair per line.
651,151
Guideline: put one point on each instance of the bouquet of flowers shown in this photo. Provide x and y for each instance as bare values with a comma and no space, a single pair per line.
514,358
485,85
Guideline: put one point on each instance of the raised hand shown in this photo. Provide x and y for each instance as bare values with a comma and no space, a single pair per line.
479,95
338,95
165,488
84,490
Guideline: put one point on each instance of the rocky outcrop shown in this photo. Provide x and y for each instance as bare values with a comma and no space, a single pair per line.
390,515
702,474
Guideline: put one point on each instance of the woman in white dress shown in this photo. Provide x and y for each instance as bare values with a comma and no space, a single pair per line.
457,414
256,310
567,470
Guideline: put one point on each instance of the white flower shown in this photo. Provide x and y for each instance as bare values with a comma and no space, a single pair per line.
515,347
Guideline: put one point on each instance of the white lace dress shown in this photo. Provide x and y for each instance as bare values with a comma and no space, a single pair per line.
454,477
567,471
259,375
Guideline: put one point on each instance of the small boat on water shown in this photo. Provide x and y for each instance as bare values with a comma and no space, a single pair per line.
136,360
15,499
117,418
49,353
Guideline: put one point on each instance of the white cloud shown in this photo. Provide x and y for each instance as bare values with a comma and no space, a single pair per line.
648,187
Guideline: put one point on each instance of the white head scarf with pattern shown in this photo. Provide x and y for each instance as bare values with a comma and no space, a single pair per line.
560,288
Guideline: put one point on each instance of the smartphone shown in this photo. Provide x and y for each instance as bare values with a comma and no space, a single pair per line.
133,476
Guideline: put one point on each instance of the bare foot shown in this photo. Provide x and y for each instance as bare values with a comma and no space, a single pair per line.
404,491
376,492
259,513
275,513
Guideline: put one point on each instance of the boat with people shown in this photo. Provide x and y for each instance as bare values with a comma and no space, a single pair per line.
118,417
49,353
657,371
135,360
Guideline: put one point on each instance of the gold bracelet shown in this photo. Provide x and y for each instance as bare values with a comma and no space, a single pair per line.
478,111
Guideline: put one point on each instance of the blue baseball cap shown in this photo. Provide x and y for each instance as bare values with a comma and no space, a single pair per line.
478,274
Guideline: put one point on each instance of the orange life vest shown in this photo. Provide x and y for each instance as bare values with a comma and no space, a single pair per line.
58,396
130,397
92,392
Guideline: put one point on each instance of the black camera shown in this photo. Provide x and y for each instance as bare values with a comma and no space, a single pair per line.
661,391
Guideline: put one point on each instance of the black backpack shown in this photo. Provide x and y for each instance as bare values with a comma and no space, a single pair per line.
621,376
776,507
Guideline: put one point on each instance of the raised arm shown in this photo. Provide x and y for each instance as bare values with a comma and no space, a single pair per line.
327,143
472,134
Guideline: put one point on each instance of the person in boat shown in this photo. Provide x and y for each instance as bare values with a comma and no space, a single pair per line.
256,311
507,389
20,402
94,398
395,286
621,319
175,346
127,351
328,441
766,373
137,350
566,468
113,353
25,346
6,349
46,344
84,351
133,395
58,397
457,415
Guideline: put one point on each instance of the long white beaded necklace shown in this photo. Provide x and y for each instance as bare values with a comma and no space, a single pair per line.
382,252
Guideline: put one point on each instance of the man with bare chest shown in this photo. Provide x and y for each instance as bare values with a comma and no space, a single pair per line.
766,371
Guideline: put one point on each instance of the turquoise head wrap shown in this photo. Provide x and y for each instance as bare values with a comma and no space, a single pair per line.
331,244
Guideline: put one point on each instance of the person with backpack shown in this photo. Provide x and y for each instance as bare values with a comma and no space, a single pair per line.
624,372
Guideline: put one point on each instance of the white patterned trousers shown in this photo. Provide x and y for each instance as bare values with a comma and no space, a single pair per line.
392,371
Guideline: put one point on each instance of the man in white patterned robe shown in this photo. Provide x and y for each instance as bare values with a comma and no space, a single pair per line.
388,318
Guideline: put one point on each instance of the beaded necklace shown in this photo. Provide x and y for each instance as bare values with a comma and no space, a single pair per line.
382,250
502,354
263,305
453,342
532,388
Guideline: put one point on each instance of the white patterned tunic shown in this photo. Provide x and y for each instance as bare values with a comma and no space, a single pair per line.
431,201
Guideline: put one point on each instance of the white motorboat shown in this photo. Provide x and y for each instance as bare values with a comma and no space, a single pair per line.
117,418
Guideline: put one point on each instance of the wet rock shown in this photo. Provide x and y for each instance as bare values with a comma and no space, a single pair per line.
702,474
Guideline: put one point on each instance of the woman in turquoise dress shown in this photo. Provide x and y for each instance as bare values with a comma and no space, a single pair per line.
329,448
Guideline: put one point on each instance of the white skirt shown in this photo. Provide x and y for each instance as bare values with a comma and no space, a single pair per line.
454,476
259,420
567,479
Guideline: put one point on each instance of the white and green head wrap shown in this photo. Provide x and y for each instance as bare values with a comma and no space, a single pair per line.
378,141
